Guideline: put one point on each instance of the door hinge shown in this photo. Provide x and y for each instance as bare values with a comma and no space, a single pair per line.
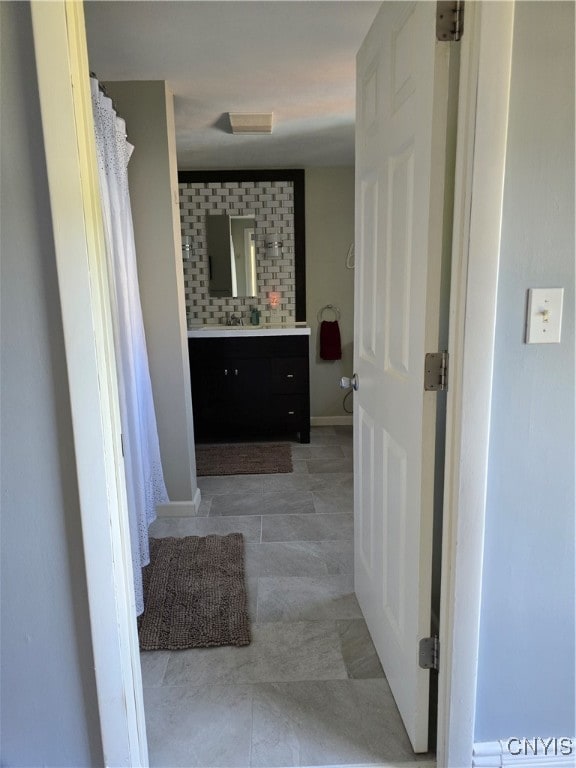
449,20
429,653
122,443
436,371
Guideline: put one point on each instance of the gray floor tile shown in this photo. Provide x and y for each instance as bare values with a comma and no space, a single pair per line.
322,431
304,598
327,723
329,527
326,439
308,452
199,726
278,652
360,657
333,492
329,502
219,484
331,436
284,502
204,509
299,466
252,558
277,502
237,504
344,431
202,526
153,665
252,596
330,465
305,558
322,435
293,481
306,481
328,480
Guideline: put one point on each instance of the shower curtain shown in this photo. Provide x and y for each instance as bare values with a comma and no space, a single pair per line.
144,477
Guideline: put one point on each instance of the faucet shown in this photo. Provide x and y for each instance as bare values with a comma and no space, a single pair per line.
232,319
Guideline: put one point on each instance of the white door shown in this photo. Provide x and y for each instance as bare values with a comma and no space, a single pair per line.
402,86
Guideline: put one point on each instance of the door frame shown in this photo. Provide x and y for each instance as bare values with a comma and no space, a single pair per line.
483,101
81,264
486,49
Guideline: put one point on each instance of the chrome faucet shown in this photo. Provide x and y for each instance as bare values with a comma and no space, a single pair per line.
232,319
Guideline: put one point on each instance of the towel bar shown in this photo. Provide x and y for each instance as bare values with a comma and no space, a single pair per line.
332,308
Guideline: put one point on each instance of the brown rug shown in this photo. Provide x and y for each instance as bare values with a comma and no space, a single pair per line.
243,459
194,594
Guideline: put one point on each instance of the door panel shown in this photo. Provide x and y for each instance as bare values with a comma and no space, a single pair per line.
402,79
365,539
394,536
398,260
366,288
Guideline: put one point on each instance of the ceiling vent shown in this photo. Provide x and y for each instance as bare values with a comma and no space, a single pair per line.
247,122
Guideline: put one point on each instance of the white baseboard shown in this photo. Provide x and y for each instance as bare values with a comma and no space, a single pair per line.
331,421
180,508
533,752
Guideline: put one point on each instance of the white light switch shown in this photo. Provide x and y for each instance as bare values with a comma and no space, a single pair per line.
544,319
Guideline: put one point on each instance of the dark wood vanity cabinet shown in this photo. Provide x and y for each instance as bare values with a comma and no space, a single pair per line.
249,387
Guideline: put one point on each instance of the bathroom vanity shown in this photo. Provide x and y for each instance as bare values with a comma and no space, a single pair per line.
249,382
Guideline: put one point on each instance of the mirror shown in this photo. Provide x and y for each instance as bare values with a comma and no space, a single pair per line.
231,255
197,185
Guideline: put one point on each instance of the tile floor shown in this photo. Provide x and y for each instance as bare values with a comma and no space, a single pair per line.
309,690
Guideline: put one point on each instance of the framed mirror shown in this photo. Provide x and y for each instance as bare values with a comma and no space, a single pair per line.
231,245
219,287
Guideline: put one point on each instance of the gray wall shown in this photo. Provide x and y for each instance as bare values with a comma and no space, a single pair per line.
147,107
526,674
49,709
329,233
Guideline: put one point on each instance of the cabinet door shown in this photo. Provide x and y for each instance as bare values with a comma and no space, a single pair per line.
250,404
212,394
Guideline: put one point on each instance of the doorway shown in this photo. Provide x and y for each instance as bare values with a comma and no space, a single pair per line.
482,127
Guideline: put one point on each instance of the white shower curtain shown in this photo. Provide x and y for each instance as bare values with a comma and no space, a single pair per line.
144,477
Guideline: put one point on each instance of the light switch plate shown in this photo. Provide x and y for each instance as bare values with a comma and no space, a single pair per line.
544,317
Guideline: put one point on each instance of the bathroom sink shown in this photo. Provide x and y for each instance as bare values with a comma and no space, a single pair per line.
224,327
265,329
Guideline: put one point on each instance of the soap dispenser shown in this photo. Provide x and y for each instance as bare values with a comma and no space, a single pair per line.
255,316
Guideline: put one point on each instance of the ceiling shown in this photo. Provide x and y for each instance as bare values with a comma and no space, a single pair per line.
294,58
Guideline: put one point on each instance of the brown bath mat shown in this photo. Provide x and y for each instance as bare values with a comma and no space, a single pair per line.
194,594
243,459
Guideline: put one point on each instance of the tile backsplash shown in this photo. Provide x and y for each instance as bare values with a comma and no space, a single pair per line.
271,204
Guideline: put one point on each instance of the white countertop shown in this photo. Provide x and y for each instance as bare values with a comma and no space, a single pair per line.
239,331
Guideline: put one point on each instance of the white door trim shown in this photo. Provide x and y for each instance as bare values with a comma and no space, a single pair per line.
65,102
480,168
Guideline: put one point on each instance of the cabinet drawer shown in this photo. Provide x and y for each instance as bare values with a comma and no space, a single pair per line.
287,409
290,374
